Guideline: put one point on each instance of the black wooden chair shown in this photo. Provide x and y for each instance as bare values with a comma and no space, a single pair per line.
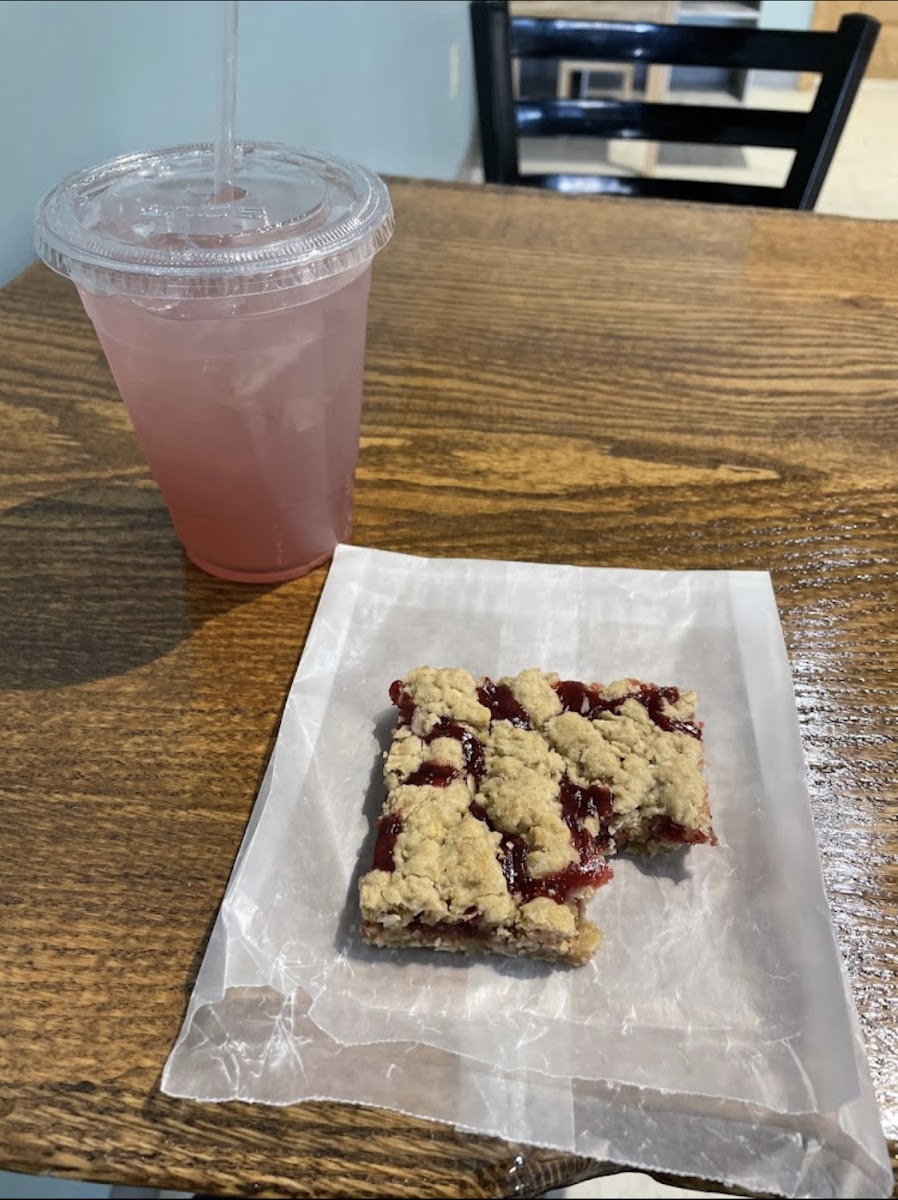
839,58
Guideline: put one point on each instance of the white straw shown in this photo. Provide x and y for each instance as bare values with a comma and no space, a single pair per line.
227,103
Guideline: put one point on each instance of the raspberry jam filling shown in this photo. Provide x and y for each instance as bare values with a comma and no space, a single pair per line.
461,932
578,803
403,702
499,699
665,830
434,774
471,746
591,869
388,830
576,697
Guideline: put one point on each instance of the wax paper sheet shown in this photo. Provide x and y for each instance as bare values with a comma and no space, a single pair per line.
711,1034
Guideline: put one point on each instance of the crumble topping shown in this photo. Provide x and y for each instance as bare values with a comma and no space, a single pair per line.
408,753
504,799
534,692
649,771
448,693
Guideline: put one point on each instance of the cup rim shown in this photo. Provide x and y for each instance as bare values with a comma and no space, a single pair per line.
100,261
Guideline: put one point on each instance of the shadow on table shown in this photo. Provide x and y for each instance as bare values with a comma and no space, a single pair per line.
348,936
673,866
94,583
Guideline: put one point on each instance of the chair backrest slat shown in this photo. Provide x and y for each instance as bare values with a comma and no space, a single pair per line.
840,58
661,122
705,190
674,45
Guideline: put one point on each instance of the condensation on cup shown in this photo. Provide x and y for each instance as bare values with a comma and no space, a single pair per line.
235,332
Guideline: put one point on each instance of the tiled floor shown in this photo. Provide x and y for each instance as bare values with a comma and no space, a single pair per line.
862,180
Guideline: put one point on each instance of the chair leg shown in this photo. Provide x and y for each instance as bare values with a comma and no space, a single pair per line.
563,81
656,81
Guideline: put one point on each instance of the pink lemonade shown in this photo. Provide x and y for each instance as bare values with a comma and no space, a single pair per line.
247,410
234,323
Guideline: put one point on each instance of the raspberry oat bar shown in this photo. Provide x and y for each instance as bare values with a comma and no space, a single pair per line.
505,799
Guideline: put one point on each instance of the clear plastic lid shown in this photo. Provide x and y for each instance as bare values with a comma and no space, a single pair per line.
148,224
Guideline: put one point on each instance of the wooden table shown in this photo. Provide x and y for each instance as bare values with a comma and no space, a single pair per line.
600,382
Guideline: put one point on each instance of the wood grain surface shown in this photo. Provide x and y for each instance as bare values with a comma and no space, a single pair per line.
599,382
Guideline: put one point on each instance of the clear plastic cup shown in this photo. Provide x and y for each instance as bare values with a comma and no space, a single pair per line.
236,335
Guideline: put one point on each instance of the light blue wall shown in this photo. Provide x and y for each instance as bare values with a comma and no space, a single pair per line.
84,79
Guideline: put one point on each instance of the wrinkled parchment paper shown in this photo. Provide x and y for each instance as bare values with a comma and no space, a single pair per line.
713,1033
